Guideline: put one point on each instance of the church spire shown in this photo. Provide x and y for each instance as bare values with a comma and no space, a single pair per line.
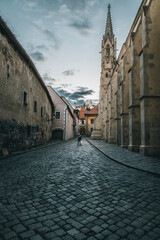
109,29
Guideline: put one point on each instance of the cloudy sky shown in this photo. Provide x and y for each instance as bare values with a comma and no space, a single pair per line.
63,38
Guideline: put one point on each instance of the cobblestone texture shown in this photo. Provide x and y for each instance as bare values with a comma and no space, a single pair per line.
124,156
73,192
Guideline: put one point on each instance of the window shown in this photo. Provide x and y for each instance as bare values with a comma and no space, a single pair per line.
25,98
106,75
35,106
82,121
58,116
41,111
8,71
92,121
108,50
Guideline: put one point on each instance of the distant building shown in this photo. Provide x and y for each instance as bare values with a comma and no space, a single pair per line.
87,115
64,122
26,107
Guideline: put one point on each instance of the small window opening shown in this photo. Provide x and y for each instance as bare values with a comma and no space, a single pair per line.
25,98
8,71
108,50
41,111
35,106
58,115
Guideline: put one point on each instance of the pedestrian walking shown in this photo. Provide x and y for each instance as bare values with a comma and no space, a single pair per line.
79,140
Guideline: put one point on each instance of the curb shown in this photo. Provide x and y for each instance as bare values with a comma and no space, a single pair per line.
123,164
26,151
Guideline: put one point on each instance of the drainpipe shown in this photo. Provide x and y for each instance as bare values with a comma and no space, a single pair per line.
65,122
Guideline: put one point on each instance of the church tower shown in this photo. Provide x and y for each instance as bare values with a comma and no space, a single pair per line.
108,62
108,56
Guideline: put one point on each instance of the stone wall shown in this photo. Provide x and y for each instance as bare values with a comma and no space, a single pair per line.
25,105
133,91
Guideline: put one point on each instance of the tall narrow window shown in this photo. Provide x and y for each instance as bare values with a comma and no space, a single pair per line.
106,75
108,50
58,116
25,98
35,106
8,71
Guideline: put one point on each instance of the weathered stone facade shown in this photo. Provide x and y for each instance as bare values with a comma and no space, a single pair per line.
25,104
130,95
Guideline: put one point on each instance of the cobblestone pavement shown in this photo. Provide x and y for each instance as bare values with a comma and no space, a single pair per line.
124,156
73,192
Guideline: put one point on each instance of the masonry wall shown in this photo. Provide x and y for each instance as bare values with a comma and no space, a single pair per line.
149,79
132,97
22,124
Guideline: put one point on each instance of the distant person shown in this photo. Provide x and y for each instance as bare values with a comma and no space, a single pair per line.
79,139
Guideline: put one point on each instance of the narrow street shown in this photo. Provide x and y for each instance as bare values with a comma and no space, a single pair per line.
70,192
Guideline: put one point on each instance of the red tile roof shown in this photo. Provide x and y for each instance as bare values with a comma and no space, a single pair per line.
83,111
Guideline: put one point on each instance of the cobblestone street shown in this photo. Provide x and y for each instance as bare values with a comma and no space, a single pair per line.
70,192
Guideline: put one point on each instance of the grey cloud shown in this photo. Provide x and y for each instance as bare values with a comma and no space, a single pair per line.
37,56
82,26
81,93
70,72
78,96
80,102
95,101
84,89
42,47
66,85
49,80
62,92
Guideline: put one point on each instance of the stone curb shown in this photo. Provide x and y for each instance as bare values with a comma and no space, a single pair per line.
123,164
28,150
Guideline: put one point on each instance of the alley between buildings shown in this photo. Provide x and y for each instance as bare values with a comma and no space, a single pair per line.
67,191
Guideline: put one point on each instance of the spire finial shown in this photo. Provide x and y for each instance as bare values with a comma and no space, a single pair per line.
109,30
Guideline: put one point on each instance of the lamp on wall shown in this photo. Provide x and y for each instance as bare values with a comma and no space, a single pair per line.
53,117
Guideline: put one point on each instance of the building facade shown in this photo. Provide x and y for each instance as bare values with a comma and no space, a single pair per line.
25,104
130,92
87,115
64,122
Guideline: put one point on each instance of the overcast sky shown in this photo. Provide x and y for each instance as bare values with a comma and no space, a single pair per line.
63,38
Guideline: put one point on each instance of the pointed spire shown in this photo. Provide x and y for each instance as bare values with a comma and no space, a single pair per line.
109,29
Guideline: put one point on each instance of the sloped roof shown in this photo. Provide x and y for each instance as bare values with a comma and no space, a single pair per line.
93,111
83,111
63,99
